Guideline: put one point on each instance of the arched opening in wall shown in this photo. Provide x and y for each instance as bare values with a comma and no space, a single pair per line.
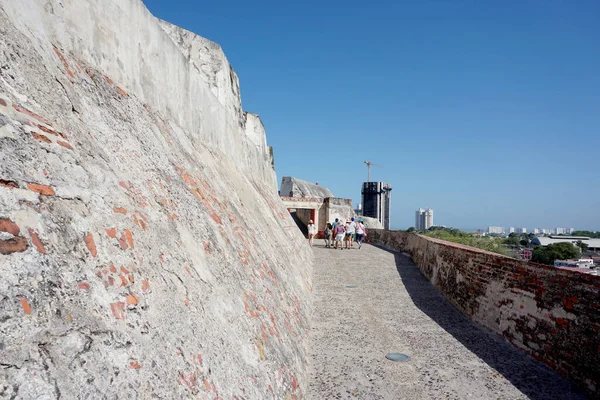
302,216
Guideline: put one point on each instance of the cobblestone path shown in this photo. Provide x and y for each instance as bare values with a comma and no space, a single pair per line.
393,308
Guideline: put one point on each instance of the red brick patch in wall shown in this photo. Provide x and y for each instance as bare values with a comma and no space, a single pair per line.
36,241
25,305
13,245
83,285
121,92
123,242
64,144
47,130
111,232
132,300
65,63
44,190
31,114
129,238
6,225
120,210
90,243
145,286
135,365
41,137
118,309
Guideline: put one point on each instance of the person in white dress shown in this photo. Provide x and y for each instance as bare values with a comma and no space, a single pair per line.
312,230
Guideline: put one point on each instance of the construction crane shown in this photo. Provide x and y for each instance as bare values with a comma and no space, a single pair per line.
369,163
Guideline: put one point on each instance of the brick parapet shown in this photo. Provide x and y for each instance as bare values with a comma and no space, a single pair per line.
551,314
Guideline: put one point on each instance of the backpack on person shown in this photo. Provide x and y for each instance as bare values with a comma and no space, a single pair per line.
327,231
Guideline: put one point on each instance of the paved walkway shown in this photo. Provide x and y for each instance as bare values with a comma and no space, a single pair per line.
395,309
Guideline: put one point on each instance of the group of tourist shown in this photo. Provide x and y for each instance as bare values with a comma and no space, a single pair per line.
338,235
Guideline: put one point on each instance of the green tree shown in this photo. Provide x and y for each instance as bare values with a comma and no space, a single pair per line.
524,242
582,246
411,229
557,251
511,240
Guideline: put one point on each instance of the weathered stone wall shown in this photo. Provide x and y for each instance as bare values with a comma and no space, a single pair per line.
339,208
372,223
552,314
294,187
142,253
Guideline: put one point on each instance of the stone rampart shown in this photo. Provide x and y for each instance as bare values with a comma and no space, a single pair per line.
552,314
294,187
144,251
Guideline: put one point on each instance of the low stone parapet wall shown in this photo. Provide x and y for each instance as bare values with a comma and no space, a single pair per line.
552,314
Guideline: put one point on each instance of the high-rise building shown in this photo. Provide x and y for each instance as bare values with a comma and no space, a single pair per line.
536,231
428,218
560,231
423,219
496,229
511,230
376,199
570,231
521,230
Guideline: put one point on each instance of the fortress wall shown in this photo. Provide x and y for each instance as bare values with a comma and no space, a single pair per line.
142,253
294,187
552,314
189,82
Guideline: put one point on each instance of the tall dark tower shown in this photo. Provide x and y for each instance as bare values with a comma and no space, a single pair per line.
376,200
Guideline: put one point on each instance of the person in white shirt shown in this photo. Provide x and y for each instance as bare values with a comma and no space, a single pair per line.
349,233
311,232
360,232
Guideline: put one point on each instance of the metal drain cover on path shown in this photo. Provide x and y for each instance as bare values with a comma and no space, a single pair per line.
351,286
397,357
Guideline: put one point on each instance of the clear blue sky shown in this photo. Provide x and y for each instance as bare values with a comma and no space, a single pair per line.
487,112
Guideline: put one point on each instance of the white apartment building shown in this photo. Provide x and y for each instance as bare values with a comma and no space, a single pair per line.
560,231
521,230
536,231
511,230
495,229
423,219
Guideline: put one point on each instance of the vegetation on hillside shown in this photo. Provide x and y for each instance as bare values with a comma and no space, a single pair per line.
518,239
495,245
595,235
556,251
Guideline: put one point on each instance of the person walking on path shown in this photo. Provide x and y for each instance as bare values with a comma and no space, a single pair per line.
339,235
311,232
327,234
353,223
335,224
360,232
349,233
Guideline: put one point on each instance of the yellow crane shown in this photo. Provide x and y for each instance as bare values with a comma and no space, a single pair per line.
369,163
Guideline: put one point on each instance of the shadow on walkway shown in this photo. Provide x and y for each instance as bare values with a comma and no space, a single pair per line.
531,377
